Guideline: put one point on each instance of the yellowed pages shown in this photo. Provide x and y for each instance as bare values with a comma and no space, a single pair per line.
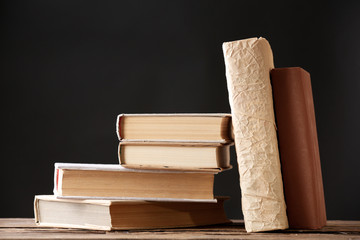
248,63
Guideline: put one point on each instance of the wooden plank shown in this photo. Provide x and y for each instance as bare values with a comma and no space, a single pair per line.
26,229
17,222
168,235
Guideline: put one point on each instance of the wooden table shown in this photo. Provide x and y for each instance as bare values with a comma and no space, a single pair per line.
16,228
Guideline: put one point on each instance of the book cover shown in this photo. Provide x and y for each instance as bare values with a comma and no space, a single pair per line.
299,150
248,63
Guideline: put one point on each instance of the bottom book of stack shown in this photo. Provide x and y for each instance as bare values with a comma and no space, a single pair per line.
126,214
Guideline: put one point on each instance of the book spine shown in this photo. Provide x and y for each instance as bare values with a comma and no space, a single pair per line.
120,154
36,210
299,151
118,126
58,174
56,181
248,63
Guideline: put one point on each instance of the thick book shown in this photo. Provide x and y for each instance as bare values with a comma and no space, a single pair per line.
298,145
125,214
248,63
215,127
113,181
186,156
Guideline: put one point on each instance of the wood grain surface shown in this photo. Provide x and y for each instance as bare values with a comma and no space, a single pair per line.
12,228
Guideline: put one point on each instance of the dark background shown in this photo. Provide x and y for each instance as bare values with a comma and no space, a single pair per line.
69,67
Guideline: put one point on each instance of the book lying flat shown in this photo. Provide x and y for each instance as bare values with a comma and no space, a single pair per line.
125,214
299,150
189,156
113,181
214,127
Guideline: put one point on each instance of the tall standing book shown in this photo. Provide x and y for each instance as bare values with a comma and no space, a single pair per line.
248,63
175,127
298,145
113,181
125,214
199,156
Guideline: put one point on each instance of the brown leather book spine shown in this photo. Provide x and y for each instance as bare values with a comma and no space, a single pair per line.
298,146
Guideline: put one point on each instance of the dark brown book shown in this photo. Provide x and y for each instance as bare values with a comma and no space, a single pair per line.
298,147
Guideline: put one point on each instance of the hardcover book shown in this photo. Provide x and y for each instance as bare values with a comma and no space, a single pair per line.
299,150
125,214
214,127
248,63
113,181
186,156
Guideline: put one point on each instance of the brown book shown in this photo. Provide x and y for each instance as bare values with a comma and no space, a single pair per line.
298,145
184,156
125,214
113,181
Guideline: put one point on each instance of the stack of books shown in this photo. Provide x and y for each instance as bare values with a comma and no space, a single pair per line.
165,177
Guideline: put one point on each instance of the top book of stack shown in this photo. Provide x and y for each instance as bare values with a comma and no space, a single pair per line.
211,128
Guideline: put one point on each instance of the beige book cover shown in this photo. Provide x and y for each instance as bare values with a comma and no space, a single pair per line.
248,63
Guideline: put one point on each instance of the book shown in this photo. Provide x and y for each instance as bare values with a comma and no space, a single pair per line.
125,214
113,181
209,127
153,155
298,146
248,63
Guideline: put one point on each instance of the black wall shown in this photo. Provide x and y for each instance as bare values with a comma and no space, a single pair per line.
69,67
